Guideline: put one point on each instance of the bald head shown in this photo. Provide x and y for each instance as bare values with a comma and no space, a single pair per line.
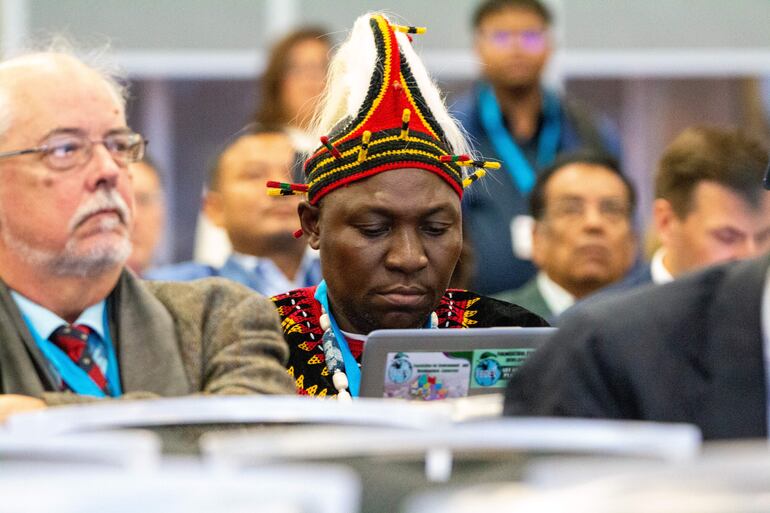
23,78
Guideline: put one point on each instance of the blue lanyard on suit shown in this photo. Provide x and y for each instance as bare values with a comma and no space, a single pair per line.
515,162
75,377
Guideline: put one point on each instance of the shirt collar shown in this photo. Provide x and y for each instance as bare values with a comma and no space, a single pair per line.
46,322
660,274
269,271
555,296
248,262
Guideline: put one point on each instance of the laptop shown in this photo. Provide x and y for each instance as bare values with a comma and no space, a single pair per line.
442,364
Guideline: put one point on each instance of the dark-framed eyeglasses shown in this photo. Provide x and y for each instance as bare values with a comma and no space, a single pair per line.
64,151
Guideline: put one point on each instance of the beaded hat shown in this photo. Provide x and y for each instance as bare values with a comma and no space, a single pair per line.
381,111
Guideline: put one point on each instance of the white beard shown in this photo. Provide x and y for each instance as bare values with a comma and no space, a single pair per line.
71,261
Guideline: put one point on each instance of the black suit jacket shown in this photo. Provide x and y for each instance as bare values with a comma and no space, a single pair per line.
689,351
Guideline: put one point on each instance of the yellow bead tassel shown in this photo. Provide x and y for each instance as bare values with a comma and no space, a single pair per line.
472,178
405,117
364,145
409,30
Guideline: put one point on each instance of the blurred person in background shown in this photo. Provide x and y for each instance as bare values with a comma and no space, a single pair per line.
709,206
293,82
290,88
513,118
266,256
149,215
583,237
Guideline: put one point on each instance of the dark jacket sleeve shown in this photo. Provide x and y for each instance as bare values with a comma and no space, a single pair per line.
572,376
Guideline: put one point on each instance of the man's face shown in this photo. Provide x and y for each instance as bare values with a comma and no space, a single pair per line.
149,215
253,220
388,247
584,240
73,222
720,226
513,46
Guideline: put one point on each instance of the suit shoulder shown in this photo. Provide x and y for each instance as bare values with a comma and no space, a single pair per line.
650,308
183,271
204,290
526,291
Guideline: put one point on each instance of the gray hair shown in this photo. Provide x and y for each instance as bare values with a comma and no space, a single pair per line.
97,58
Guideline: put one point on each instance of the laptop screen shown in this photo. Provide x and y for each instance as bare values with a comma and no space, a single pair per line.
441,364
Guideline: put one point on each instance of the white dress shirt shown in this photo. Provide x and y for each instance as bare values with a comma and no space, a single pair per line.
660,274
556,297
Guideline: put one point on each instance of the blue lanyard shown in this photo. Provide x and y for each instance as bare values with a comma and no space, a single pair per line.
518,167
75,377
350,366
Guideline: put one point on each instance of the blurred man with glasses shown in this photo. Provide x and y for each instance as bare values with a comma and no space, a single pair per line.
583,237
515,119
73,321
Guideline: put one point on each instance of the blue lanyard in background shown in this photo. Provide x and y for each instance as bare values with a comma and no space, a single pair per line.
521,172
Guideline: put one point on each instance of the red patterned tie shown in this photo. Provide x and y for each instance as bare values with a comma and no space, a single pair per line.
73,340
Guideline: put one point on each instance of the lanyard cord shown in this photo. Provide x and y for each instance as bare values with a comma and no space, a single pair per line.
75,377
520,170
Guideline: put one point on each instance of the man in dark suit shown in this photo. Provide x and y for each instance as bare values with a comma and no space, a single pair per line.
73,321
691,351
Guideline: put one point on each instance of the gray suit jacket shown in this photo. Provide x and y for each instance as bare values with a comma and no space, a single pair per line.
688,351
172,339
528,296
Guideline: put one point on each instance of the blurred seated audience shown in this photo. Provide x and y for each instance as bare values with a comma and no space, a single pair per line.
266,256
293,81
582,238
383,209
149,215
514,118
73,321
709,204
289,91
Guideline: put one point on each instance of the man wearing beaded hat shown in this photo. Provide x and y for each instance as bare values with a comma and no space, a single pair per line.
383,208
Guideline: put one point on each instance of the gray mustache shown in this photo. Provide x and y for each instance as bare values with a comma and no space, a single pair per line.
102,200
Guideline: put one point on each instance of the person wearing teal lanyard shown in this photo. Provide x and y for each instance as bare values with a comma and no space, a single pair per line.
383,210
42,325
75,324
513,118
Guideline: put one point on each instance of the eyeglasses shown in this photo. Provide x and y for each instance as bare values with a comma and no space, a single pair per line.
531,41
573,209
66,150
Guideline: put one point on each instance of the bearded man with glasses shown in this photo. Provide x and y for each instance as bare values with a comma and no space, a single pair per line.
512,117
73,321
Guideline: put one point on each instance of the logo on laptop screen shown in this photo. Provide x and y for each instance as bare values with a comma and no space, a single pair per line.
487,371
400,369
